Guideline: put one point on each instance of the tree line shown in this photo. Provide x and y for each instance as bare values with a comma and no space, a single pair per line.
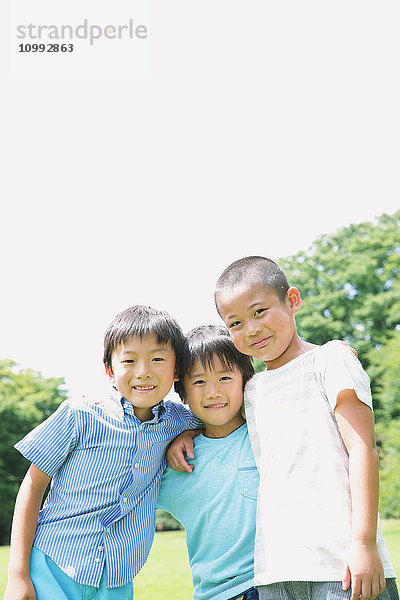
350,287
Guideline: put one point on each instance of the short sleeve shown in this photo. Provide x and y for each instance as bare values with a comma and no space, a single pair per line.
48,445
341,370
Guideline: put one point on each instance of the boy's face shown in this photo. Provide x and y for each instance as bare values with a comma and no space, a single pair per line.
259,324
215,396
143,371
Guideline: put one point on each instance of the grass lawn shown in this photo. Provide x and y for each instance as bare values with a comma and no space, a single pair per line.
166,575
4,552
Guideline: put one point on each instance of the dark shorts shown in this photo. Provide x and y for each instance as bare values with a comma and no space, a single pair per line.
251,594
318,590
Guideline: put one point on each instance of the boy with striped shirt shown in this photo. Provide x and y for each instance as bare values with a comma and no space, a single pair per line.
104,460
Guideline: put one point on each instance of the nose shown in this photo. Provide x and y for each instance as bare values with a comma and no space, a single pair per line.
253,327
213,390
142,370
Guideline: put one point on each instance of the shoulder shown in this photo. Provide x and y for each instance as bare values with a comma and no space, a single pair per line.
337,368
176,409
180,413
334,347
82,404
82,410
335,353
252,383
79,403
68,412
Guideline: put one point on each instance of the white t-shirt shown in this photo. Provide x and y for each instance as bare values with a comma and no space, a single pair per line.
304,503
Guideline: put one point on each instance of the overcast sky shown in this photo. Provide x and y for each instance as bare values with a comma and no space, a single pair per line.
237,128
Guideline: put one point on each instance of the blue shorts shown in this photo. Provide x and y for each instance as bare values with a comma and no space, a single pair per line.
51,582
251,594
318,590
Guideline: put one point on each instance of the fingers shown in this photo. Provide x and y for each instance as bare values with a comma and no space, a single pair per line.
355,588
382,583
176,458
188,447
178,463
378,585
367,589
346,581
176,452
182,465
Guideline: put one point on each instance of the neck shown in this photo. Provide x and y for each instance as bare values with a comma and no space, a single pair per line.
296,347
222,431
143,414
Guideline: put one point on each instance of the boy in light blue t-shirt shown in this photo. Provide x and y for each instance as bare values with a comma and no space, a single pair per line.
217,502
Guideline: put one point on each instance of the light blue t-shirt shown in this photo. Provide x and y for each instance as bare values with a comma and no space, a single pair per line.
216,504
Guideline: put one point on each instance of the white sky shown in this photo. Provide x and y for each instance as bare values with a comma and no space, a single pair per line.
255,127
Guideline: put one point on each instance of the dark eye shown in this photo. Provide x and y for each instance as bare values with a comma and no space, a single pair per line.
128,361
158,359
234,324
198,381
259,311
225,378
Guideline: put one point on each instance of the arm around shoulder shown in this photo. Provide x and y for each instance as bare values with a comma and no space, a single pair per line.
27,506
181,445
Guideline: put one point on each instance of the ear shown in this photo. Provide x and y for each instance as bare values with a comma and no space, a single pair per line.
176,378
109,373
293,299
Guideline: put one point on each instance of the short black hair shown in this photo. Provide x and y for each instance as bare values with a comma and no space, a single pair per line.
205,344
140,321
251,270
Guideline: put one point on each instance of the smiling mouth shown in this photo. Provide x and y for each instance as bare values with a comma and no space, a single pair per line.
261,343
216,406
144,388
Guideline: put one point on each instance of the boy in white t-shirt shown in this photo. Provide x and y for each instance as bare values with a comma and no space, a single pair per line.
310,422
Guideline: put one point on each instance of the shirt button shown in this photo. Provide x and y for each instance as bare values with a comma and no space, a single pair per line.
97,560
141,427
101,548
136,465
108,530
125,499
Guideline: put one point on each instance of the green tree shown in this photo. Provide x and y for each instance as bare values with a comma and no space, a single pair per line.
258,365
350,285
385,371
388,440
166,522
26,399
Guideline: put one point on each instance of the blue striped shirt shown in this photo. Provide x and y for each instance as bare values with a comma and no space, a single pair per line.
106,469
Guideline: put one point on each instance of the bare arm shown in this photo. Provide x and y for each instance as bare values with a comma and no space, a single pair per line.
29,498
364,566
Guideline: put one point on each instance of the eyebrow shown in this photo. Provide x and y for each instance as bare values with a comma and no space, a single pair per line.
251,306
152,351
195,375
